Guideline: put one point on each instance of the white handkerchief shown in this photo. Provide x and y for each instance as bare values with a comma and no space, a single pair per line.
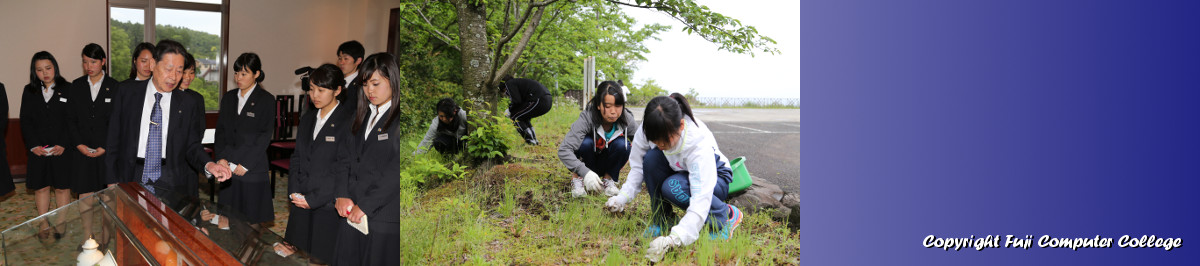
360,226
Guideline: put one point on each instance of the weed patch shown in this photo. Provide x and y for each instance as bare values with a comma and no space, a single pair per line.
521,213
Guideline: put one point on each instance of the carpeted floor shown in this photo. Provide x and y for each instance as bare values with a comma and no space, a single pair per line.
18,206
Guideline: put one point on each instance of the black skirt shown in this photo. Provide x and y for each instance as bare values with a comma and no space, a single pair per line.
314,230
381,247
51,171
87,172
250,198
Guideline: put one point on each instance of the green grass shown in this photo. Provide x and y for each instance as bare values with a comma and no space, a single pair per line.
521,212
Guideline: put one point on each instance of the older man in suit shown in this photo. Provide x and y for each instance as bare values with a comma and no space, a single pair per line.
151,132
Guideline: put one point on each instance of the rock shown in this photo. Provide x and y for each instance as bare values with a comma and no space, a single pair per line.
792,201
766,196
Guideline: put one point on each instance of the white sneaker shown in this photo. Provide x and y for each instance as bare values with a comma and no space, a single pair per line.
610,188
577,188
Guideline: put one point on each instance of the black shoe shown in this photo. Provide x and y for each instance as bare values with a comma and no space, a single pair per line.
531,136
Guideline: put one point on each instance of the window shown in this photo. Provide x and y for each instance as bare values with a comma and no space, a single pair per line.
197,24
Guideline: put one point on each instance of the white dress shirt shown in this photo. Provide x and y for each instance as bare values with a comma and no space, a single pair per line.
321,120
242,98
351,78
47,93
95,86
147,108
376,115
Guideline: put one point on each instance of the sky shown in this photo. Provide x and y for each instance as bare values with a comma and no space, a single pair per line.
204,21
680,61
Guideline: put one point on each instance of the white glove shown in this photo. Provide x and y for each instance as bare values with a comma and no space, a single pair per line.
592,182
616,204
660,246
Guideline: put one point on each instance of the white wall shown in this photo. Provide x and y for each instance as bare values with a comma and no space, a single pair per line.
289,34
25,30
286,34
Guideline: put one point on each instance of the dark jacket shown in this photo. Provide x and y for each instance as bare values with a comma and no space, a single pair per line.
184,152
89,118
522,92
320,165
6,183
242,138
42,122
352,92
374,180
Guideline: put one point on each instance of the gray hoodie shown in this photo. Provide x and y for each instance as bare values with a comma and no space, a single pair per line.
583,127
460,118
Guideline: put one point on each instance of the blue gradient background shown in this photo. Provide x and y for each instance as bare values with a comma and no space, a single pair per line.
959,118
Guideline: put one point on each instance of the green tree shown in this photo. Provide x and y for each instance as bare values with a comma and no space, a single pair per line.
640,95
692,96
487,28
118,61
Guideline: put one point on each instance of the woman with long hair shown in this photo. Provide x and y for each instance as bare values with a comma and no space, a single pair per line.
44,109
598,142
245,123
678,159
319,165
372,190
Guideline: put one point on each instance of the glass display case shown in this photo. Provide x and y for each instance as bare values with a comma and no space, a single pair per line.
135,227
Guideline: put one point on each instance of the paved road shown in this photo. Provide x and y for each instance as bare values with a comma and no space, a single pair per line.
768,138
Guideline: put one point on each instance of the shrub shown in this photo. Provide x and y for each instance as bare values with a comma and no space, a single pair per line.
427,168
490,136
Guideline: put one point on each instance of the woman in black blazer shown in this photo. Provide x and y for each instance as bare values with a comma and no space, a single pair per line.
6,182
185,84
319,164
91,105
44,108
372,190
244,126
141,62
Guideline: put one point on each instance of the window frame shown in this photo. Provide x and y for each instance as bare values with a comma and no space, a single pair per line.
149,9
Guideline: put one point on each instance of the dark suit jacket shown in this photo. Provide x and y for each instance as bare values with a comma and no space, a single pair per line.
200,124
242,138
89,118
45,123
352,92
374,180
6,184
320,165
184,152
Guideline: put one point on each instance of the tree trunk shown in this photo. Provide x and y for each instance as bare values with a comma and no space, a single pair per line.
476,58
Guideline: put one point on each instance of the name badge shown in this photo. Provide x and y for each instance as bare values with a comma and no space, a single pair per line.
107,100
328,138
383,136
62,99
250,114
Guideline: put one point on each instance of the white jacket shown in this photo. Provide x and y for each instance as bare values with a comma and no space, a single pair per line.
694,154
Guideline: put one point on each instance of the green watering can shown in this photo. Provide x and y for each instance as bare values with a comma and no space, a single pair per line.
741,177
